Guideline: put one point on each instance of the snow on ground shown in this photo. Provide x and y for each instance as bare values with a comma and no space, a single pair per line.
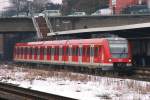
79,86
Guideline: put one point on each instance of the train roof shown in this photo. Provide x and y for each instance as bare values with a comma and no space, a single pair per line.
73,42
63,42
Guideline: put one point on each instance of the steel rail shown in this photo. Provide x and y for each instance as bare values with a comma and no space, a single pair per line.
14,92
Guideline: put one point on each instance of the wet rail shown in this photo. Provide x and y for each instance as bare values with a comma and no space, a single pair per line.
13,92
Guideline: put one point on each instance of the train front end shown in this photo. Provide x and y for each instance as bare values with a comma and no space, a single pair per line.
119,53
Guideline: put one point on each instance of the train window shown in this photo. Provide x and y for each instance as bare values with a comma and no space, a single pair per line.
95,51
92,51
88,51
80,51
32,51
65,51
56,51
45,51
21,52
36,51
26,51
75,51
42,51
49,49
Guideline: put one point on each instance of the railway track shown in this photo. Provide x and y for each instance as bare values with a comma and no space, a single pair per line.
13,92
142,73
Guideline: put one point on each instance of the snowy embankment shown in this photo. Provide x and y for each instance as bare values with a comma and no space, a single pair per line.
79,86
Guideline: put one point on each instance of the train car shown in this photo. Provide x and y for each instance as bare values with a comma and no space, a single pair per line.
104,53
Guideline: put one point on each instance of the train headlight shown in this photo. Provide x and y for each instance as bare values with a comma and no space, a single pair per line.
130,60
110,60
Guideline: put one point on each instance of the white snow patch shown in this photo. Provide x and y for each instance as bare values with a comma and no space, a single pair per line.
79,86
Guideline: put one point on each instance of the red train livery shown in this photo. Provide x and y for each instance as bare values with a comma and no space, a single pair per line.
94,53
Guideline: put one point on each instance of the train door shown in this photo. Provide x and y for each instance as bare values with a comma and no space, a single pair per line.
56,53
65,53
86,54
75,53
41,53
97,53
49,52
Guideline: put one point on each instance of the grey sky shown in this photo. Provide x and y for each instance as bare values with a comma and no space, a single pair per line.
5,3
57,1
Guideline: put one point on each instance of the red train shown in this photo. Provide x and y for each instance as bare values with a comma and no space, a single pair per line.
94,53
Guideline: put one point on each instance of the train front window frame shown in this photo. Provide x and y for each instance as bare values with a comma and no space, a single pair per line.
118,48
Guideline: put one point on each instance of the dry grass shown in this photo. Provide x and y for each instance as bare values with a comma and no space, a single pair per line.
140,88
64,75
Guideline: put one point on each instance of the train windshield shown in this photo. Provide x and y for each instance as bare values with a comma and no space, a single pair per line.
119,48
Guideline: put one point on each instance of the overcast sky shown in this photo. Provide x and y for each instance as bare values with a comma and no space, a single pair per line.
5,3
57,1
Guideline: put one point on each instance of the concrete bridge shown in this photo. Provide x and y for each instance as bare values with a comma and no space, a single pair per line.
22,25
16,25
